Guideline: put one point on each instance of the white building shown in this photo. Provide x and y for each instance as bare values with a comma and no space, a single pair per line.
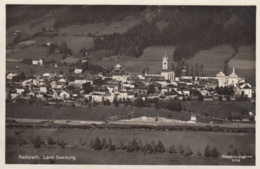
37,62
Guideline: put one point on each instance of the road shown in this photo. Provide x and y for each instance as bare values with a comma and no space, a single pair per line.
84,122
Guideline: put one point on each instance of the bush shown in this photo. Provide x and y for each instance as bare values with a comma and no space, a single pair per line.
122,146
50,141
132,146
22,142
104,143
37,142
112,148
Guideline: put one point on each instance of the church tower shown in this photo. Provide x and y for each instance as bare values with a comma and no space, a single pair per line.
165,62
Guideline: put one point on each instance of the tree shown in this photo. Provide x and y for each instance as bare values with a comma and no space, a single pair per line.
50,141
207,151
147,69
61,72
144,71
104,143
64,48
173,68
37,142
187,70
252,118
192,71
159,147
201,67
215,153
97,145
225,69
51,49
108,102
220,98
201,98
172,149
188,151
151,89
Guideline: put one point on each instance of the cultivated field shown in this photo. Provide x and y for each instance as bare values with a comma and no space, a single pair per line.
84,155
213,59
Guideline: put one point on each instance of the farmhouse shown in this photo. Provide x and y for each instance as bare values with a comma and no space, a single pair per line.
244,87
37,62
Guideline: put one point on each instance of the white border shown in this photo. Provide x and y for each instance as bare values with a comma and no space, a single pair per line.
113,2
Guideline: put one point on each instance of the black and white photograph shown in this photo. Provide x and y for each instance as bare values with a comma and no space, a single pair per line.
112,84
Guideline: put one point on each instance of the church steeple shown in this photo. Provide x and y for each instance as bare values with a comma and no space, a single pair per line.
165,61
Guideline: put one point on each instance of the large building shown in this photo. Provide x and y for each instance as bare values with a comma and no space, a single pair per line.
166,73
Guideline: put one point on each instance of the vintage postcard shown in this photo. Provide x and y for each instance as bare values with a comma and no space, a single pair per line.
128,84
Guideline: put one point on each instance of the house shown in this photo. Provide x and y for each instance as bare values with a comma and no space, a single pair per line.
19,90
37,62
204,92
245,88
10,76
108,96
64,95
193,118
208,98
170,95
122,94
131,95
96,97
120,77
77,71
43,90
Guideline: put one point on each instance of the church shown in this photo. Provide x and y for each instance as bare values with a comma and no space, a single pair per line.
166,73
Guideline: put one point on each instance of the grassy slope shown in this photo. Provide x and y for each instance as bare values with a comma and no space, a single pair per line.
196,140
245,59
27,32
85,29
118,26
73,42
213,59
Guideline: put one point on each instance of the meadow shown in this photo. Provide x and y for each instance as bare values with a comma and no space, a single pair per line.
37,70
34,52
82,29
151,57
73,42
26,30
118,27
84,155
216,55
244,59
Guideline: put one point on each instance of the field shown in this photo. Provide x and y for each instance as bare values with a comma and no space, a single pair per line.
34,52
84,155
27,32
101,112
82,29
244,59
70,60
216,55
219,109
118,27
73,42
152,58
37,70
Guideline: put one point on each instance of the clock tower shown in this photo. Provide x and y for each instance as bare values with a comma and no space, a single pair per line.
165,62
